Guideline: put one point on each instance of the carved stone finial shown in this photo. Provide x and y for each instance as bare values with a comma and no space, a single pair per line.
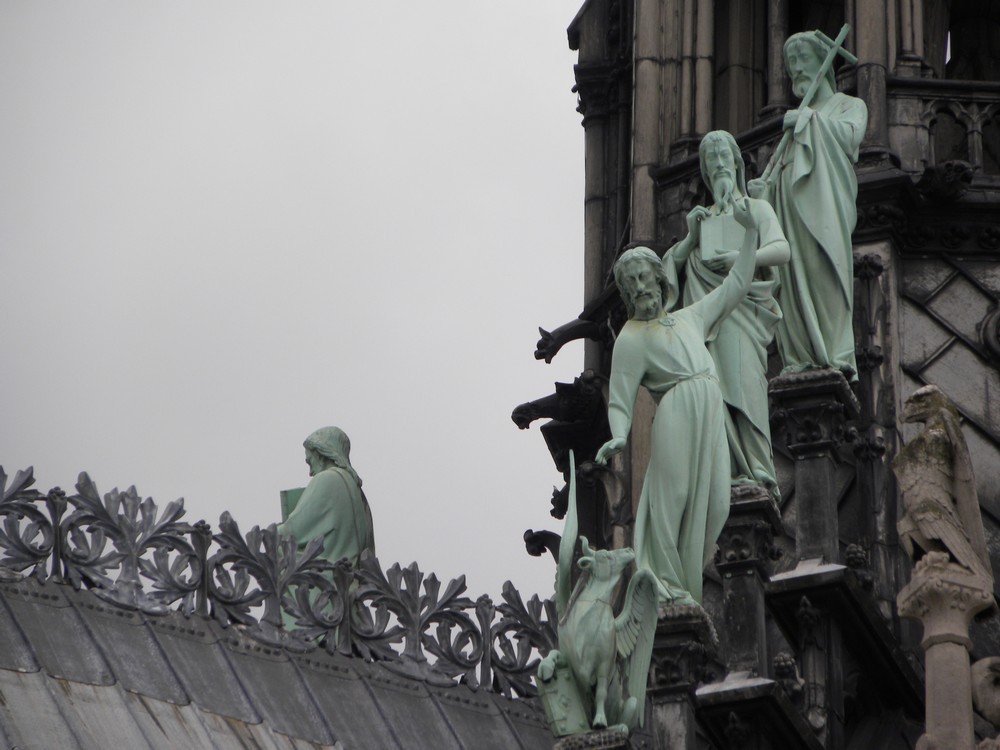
786,674
946,182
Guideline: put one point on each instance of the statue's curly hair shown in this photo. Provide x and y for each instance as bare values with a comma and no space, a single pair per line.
640,252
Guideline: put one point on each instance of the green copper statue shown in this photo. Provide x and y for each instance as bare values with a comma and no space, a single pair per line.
738,344
597,677
332,506
813,188
685,495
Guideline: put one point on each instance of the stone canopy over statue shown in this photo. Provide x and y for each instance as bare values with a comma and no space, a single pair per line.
332,506
812,185
697,265
685,495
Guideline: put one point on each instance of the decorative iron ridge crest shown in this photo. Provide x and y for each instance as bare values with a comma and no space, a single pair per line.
134,556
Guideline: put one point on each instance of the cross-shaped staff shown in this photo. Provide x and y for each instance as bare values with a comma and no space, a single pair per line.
835,49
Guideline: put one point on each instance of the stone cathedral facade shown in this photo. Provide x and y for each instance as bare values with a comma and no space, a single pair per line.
812,651
123,625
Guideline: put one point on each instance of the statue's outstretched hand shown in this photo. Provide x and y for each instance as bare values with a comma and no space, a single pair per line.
742,214
757,188
610,448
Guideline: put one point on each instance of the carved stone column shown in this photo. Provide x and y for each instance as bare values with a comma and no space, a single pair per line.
685,654
909,59
870,33
777,81
945,597
745,549
814,408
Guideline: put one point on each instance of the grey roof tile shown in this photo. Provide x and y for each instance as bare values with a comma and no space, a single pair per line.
527,717
275,687
257,697
192,646
343,696
29,714
98,714
409,709
164,723
475,719
15,651
229,733
61,642
129,647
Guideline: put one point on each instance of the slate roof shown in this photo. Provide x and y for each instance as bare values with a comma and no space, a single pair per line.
76,671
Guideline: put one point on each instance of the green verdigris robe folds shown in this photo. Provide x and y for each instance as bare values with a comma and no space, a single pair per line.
738,346
814,198
685,495
332,507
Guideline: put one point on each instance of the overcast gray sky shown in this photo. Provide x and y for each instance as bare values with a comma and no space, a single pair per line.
226,224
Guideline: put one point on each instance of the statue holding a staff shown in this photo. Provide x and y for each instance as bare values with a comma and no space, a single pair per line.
811,184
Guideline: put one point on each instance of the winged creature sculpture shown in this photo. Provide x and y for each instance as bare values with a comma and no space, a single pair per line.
941,506
597,677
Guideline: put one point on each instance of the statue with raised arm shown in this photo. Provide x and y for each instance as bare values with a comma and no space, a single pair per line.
811,184
685,495
697,265
332,506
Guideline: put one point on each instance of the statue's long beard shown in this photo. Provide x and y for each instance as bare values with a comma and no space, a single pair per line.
722,190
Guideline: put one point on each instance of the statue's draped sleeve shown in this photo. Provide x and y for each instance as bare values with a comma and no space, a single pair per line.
627,369
333,508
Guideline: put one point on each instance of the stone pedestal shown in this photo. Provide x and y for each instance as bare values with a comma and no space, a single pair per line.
814,407
945,597
685,655
746,547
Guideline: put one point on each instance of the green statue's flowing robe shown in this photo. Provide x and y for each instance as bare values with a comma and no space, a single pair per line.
332,507
814,197
685,495
738,347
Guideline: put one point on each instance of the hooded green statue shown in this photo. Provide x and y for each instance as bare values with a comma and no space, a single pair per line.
332,506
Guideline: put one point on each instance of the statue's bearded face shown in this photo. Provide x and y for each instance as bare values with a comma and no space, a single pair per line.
720,171
803,65
642,285
316,462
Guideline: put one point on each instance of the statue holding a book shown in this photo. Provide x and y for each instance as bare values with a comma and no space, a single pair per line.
332,506
697,265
